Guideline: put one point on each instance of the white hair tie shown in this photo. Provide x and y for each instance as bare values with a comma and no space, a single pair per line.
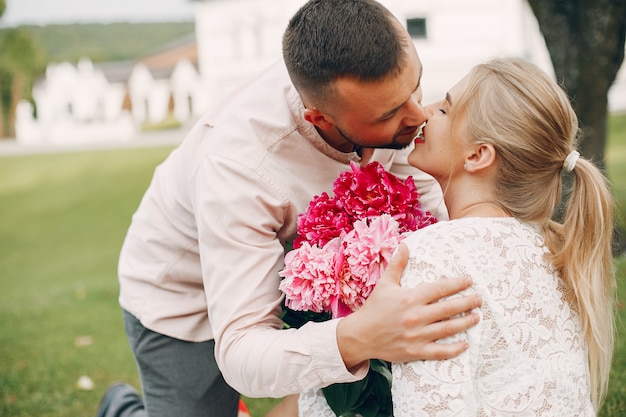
570,161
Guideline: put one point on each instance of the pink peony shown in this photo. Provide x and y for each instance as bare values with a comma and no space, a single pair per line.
371,191
323,221
367,250
310,281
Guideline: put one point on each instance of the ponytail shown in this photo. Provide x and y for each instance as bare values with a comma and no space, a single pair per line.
581,251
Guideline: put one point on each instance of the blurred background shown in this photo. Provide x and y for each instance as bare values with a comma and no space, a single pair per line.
93,95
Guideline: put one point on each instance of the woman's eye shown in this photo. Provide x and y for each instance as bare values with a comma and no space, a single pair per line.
443,111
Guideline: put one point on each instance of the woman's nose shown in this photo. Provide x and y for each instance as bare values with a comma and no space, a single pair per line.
429,110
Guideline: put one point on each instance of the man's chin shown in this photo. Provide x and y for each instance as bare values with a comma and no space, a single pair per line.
401,144
393,145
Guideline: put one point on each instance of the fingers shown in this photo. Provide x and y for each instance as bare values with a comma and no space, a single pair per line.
393,272
438,351
444,310
434,291
446,328
426,343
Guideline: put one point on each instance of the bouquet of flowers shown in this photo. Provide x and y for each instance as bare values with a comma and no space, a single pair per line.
344,243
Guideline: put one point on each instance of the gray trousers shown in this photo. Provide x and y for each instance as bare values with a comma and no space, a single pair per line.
178,378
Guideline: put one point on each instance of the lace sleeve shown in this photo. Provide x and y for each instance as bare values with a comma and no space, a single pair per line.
312,403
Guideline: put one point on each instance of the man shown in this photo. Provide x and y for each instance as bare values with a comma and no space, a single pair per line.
199,267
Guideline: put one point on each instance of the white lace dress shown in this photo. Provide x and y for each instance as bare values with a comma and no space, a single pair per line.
527,356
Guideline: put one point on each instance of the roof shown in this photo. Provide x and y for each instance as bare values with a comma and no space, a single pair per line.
161,62
116,71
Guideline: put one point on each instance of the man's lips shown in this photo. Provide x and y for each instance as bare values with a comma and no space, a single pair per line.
409,131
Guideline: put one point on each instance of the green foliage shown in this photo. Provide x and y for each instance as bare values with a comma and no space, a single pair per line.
20,48
104,41
369,397
616,171
21,60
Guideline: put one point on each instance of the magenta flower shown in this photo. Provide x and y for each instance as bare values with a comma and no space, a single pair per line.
371,191
323,221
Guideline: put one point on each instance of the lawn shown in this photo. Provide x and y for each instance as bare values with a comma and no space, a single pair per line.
63,220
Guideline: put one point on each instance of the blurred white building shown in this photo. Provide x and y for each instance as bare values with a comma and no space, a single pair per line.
112,101
236,38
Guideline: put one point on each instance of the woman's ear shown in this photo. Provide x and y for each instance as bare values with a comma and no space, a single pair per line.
318,119
481,157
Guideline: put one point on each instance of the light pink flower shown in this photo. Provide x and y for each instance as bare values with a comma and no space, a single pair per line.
310,281
367,249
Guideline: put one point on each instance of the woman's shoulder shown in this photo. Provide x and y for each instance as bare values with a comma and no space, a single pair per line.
473,231
473,226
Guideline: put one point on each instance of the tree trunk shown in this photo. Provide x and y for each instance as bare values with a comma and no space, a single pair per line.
2,132
17,88
585,39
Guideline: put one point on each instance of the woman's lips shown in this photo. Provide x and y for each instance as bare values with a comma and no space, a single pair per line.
420,136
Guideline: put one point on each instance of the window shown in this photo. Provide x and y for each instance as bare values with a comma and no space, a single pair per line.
417,27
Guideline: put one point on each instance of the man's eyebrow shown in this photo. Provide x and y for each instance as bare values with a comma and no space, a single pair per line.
392,111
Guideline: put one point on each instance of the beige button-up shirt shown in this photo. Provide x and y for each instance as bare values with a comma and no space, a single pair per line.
203,251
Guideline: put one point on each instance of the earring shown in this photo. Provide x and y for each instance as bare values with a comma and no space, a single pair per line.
464,167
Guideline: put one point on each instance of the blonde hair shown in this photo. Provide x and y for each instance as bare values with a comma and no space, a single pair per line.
525,115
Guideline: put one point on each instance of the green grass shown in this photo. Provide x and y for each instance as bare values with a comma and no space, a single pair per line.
62,221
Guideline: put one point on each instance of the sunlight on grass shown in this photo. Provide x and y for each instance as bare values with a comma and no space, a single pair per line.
616,164
64,218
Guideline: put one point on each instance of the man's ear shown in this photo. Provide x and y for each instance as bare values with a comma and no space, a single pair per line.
318,119
481,157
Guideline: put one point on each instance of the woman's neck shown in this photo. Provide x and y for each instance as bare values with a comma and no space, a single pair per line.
479,209
469,199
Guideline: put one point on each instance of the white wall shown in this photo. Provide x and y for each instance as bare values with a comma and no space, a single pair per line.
238,38
234,45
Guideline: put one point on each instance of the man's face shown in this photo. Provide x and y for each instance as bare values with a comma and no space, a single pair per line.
384,114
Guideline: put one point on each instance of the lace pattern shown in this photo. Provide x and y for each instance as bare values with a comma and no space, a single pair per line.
312,403
527,356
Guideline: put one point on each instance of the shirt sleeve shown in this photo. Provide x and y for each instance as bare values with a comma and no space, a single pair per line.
240,215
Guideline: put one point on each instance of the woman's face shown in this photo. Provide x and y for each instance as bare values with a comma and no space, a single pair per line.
439,148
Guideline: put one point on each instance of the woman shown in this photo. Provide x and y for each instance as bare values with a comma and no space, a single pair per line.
498,144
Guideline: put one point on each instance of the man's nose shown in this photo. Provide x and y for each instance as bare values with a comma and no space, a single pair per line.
416,112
